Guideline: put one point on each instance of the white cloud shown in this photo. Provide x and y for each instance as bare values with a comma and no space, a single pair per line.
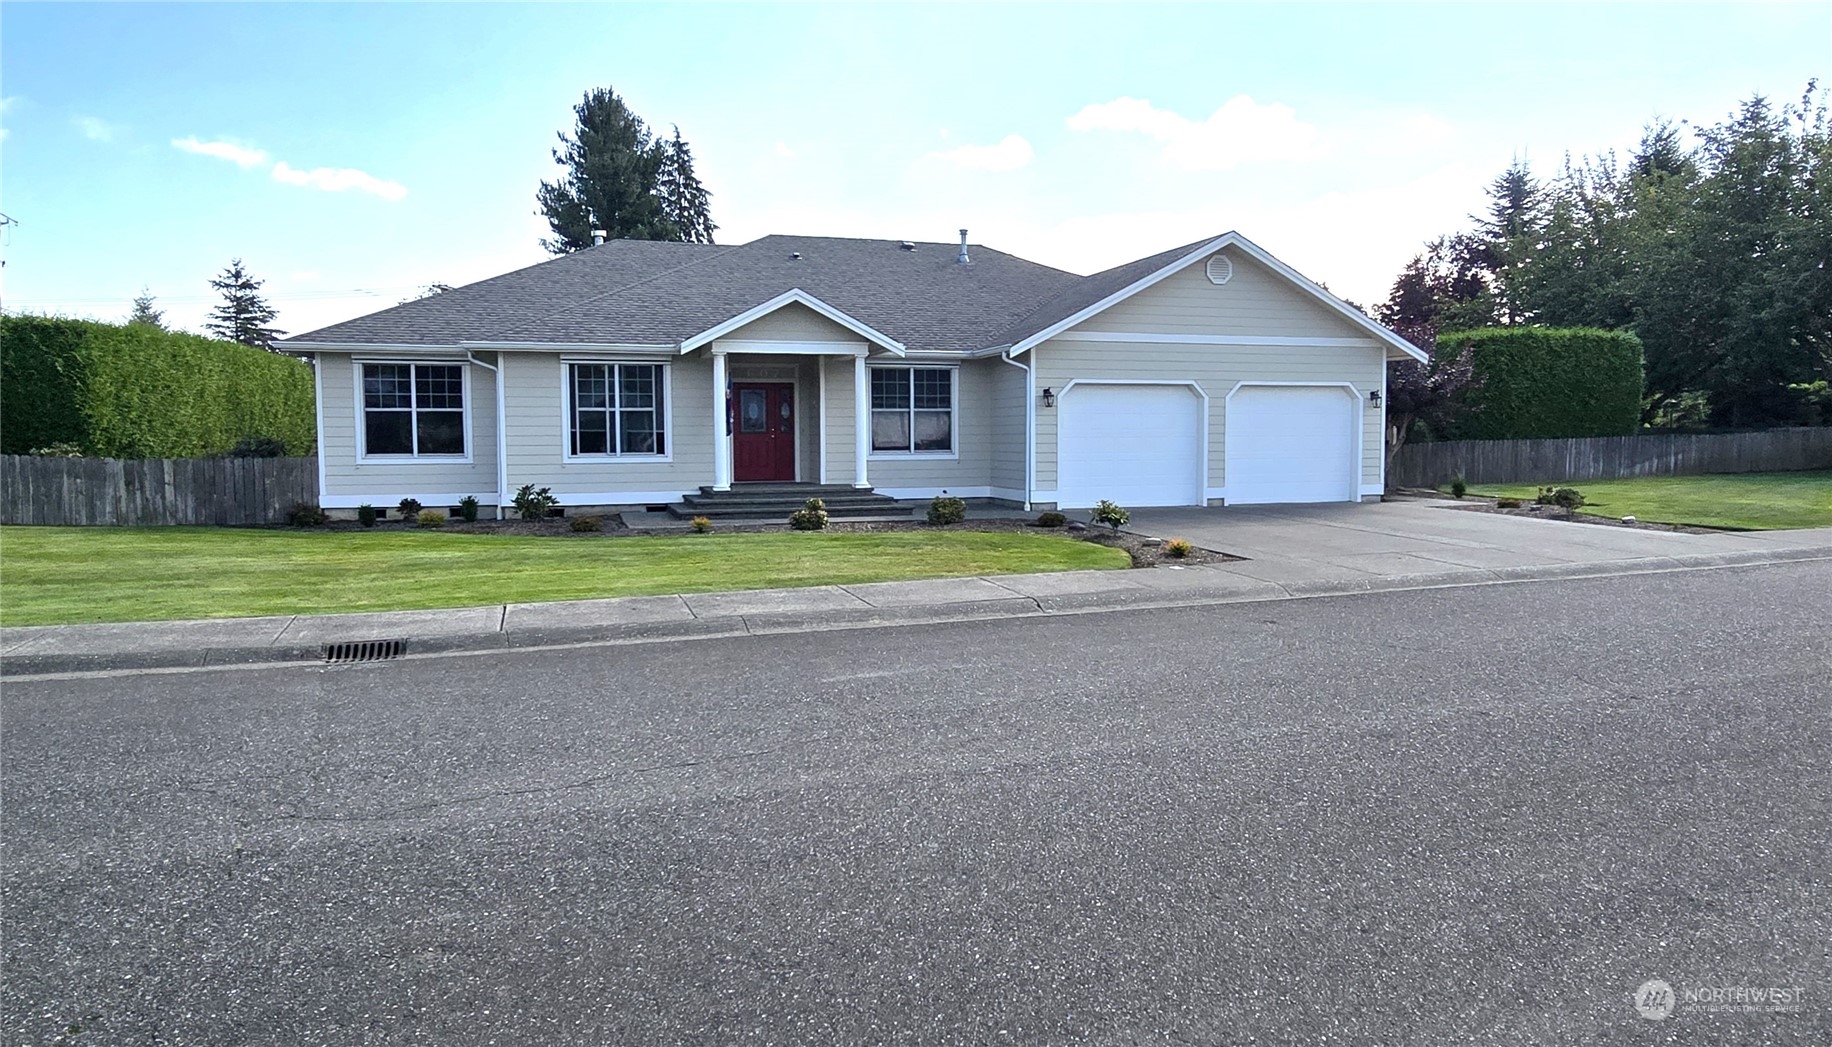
339,179
783,150
240,155
1241,131
6,105
94,128
1008,154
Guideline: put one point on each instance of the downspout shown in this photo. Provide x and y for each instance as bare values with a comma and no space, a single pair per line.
1030,425
502,429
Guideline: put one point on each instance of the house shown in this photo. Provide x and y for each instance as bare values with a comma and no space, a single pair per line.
634,373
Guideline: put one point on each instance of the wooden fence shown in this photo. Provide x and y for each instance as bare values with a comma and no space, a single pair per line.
113,492
1610,457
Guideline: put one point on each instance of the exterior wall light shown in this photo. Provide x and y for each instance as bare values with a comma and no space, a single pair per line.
1049,398
1373,398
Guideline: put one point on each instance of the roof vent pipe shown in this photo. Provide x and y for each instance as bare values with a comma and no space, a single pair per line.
963,255
597,237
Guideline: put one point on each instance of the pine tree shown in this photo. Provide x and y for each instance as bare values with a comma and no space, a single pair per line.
244,315
685,202
614,181
144,314
1507,235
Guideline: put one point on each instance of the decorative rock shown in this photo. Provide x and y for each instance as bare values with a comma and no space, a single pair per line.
1628,519
1154,541
1077,525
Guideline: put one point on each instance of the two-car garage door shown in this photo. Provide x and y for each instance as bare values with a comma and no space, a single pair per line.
1142,444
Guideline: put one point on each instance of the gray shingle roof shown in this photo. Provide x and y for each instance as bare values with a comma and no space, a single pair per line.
653,293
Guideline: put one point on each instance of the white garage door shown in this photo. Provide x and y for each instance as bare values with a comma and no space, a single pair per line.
1292,444
1132,444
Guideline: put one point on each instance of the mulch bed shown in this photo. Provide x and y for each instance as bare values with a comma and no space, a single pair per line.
613,525
1478,504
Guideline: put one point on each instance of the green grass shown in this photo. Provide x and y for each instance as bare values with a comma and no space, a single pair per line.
1735,501
56,575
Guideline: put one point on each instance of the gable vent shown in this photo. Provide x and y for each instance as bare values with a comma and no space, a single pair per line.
1221,270
363,651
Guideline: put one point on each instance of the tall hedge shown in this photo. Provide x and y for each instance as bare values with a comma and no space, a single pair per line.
133,391
1543,382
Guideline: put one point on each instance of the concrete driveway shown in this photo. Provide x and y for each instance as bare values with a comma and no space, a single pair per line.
1429,536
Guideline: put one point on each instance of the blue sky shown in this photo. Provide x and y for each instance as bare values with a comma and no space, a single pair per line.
351,154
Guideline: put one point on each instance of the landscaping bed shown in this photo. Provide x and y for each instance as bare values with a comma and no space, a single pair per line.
1714,502
1547,512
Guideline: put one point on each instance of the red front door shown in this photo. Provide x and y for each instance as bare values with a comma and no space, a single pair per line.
764,443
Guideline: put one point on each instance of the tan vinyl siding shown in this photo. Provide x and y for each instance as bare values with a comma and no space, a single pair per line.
793,323
1008,401
535,397
972,437
1254,301
382,484
840,431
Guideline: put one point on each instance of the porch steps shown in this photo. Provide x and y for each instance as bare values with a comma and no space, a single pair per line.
775,501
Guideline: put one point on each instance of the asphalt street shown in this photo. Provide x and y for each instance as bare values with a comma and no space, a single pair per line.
1478,815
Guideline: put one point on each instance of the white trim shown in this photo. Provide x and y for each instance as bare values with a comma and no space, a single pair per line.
1203,251
953,453
1361,425
1367,489
1383,428
318,396
1202,482
861,427
758,345
579,498
361,427
820,371
367,347
793,295
573,347
1030,427
566,420
721,418
1216,339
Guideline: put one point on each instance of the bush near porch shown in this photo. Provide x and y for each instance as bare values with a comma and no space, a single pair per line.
60,575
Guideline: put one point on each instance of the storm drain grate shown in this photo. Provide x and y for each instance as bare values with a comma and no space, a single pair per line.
363,651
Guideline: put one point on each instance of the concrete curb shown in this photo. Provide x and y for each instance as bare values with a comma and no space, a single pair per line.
1196,587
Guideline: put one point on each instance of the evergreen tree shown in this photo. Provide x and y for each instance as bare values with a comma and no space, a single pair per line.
1508,236
614,181
685,203
244,316
144,314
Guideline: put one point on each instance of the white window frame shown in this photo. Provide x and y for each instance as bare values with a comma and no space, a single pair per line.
566,410
362,424
954,413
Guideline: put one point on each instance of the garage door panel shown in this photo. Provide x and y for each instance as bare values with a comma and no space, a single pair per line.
1291,444
1138,445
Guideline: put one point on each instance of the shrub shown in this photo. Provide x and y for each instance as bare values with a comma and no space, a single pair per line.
58,450
409,508
430,518
701,524
136,391
258,447
306,514
533,504
1540,382
1111,515
365,514
1177,548
1507,503
467,508
812,516
1458,488
1566,498
582,524
1051,519
945,510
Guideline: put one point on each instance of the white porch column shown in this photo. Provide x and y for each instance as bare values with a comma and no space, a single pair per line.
861,421
721,440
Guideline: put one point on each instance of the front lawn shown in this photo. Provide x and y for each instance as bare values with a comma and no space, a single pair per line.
57,575
1735,501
